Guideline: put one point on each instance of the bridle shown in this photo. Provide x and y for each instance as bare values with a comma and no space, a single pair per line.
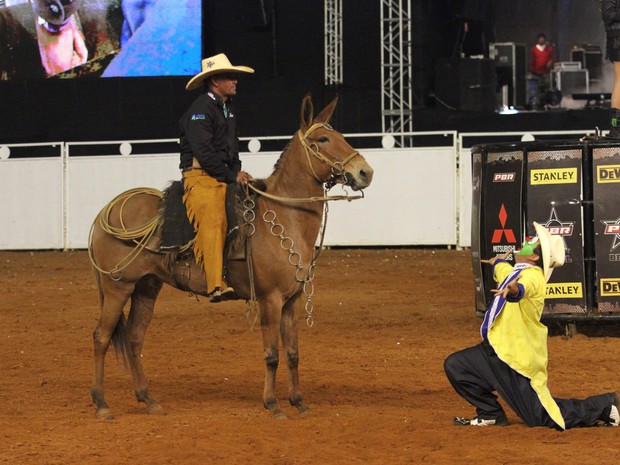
336,167
312,148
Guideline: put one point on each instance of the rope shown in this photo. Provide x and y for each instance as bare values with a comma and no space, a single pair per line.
139,235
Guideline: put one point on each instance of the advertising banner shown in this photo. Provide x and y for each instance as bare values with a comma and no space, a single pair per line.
502,210
553,198
606,187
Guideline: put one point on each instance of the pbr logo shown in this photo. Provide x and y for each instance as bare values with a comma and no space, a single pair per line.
556,226
553,176
608,173
612,228
609,287
504,177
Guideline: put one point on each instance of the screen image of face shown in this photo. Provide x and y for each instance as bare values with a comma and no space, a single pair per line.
99,38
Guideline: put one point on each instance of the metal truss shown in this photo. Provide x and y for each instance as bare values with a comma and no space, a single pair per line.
333,42
396,67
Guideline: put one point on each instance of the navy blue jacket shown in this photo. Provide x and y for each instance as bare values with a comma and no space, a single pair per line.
211,137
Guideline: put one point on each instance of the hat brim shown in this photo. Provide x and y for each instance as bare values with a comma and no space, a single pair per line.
197,80
552,249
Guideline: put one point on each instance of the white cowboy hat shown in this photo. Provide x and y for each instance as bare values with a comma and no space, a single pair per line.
552,249
215,65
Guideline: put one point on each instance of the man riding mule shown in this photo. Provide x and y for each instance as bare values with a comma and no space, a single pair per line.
281,226
210,161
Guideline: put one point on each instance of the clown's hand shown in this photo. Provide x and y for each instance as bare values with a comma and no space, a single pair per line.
491,261
511,289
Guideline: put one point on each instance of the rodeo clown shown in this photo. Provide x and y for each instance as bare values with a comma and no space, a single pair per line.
512,358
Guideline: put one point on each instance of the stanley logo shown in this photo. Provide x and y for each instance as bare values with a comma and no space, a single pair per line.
608,173
553,176
610,287
564,291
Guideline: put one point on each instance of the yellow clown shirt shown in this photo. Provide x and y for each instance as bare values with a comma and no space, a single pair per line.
519,338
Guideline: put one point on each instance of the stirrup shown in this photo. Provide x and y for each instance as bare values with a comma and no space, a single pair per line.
218,295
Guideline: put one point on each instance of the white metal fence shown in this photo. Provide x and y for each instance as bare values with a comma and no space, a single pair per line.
420,196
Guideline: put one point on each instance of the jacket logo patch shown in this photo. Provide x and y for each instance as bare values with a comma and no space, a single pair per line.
198,116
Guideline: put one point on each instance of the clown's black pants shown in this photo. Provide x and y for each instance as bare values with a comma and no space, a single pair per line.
476,373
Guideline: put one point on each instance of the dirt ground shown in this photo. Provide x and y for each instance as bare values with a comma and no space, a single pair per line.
371,370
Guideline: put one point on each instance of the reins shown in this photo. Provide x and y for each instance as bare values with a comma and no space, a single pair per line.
346,197
304,276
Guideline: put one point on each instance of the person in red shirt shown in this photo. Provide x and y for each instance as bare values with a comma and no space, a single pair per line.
542,58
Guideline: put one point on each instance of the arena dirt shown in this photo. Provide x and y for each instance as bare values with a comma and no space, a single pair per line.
371,370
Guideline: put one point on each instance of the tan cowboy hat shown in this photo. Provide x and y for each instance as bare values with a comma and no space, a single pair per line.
552,249
215,65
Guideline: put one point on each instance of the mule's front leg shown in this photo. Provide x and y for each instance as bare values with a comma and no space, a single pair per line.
289,333
270,323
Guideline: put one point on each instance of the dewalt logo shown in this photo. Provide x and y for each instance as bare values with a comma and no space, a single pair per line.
564,291
608,173
609,287
553,176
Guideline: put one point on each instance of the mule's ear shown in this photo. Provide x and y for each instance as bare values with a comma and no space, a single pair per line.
326,114
307,113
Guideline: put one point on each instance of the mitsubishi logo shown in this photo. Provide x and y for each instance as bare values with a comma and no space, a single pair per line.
499,233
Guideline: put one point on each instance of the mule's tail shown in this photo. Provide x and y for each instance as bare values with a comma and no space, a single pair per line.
120,342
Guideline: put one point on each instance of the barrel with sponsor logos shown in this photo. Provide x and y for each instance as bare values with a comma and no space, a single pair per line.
606,225
571,188
497,211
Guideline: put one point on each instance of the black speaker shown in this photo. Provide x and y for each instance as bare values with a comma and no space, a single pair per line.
510,62
466,84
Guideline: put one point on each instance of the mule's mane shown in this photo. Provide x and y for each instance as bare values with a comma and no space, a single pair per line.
280,161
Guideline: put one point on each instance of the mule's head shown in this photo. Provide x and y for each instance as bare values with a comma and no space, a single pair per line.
333,160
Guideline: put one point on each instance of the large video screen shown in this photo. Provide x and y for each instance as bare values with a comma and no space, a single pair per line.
99,38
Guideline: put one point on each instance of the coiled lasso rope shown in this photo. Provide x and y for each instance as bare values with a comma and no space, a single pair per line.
139,235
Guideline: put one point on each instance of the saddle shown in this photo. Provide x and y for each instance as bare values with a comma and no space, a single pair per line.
177,233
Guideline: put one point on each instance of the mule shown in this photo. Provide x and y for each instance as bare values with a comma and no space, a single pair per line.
282,226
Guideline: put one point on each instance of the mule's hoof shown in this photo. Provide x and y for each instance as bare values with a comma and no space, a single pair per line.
104,414
303,409
155,409
278,415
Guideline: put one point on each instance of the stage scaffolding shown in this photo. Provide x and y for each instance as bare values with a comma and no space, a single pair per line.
333,42
396,68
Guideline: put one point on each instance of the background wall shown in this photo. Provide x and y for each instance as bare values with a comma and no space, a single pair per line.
438,24
283,41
